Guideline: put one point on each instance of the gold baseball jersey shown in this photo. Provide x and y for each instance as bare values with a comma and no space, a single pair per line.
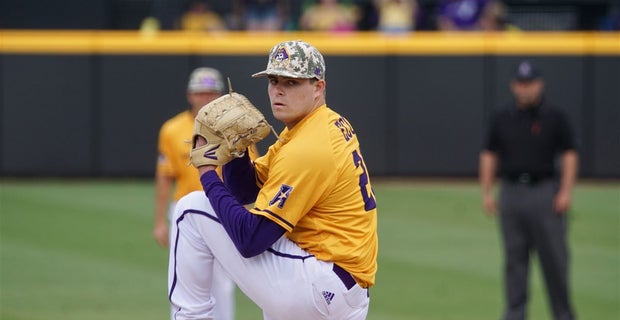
314,184
173,158
174,148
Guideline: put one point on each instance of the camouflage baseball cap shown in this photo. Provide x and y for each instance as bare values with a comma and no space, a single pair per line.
205,80
294,59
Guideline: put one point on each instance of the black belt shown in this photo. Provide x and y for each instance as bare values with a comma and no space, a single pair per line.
527,178
345,276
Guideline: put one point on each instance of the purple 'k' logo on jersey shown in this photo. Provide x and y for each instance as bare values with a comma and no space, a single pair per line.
210,153
281,196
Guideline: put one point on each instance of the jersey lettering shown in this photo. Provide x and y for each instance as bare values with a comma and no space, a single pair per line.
369,198
345,127
281,196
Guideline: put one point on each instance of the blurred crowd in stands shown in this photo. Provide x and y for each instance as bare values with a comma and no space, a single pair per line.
390,16
393,16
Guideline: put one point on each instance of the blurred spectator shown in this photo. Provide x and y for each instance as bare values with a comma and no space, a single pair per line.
260,14
329,15
396,15
200,17
611,21
149,27
460,14
494,17
368,16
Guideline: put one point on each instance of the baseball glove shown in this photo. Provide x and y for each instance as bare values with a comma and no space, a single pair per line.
229,124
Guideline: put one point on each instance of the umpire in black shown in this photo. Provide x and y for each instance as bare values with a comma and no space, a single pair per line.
532,148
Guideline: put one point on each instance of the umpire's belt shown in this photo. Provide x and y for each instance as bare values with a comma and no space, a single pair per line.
345,276
527,178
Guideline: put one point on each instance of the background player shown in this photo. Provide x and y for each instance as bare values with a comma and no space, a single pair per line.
173,172
314,190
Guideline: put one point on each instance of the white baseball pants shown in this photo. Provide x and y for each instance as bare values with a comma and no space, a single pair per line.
222,288
285,281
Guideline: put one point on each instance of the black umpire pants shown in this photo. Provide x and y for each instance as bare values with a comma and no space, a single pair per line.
529,224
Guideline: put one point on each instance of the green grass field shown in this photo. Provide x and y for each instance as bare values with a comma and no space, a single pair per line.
83,250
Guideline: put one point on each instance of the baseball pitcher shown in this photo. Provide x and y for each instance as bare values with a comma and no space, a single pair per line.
308,247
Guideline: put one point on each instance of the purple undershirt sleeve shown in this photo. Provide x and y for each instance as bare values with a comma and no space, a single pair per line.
252,234
240,178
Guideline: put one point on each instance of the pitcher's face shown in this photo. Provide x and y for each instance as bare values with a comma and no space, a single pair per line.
292,99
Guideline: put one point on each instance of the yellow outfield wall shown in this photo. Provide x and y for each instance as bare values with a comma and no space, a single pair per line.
356,43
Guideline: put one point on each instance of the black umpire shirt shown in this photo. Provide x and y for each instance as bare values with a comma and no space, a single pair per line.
527,141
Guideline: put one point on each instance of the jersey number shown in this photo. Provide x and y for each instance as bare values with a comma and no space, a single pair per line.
369,200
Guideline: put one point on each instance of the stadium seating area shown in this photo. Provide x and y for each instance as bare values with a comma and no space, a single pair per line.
565,15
